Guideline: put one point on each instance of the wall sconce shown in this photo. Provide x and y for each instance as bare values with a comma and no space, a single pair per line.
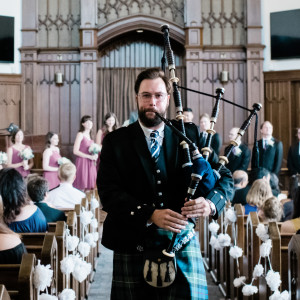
59,78
224,76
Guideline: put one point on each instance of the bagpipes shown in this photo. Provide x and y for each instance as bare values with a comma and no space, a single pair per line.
160,267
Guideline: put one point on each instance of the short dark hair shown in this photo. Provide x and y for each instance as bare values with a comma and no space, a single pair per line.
257,173
37,189
187,109
152,73
13,193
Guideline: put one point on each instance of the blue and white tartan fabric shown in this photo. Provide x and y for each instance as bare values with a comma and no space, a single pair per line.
154,145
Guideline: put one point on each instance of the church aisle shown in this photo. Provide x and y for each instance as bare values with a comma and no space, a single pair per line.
100,289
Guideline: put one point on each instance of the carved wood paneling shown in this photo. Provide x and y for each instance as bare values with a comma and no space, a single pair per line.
223,22
282,105
58,23
10,99
112,10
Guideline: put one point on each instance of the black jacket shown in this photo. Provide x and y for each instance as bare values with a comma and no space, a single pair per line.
293,160
241,161
127,188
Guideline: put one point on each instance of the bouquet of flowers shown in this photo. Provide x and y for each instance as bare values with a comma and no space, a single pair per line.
63,160
26,153
3,158
94,148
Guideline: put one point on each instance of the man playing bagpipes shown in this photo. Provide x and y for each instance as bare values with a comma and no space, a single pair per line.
143,188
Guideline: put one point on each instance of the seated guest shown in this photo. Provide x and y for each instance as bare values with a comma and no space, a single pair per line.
239,157
258,193
241,187
293,225
19,213
258,173
37,189
65,195
271,210
11,247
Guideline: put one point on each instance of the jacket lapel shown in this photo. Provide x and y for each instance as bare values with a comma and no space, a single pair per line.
141,148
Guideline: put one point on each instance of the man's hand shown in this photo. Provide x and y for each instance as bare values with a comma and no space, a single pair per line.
196,208
168,219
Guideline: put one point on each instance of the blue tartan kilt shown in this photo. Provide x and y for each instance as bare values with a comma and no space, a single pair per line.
190,283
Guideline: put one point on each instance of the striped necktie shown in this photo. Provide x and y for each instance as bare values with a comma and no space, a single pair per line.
154,145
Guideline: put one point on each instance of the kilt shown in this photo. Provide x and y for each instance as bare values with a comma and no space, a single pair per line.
190,282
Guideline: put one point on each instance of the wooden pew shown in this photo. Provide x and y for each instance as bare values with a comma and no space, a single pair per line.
4,293
294,267
44,246
18,278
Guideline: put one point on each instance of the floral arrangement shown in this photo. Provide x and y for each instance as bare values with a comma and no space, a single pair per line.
271,142
94,148
224,240
3,158
63,160
237,151
26,153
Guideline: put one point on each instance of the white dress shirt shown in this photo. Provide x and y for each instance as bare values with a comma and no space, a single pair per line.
65,196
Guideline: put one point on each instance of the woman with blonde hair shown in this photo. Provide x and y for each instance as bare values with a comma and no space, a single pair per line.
258,193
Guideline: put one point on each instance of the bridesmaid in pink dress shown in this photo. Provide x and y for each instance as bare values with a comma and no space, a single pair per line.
86,172
51,156
13,158
111,123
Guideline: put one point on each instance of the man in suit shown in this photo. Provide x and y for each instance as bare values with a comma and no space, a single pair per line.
270,149
241,187
293,160
216,141
142,188
239,157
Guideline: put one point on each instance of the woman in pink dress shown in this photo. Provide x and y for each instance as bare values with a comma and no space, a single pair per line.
111,123
86,172
51,156
13,154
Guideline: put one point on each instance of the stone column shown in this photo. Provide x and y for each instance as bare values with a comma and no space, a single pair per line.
194,54
88,59
29,66
254,48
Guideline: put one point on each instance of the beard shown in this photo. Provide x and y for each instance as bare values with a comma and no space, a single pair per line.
150,121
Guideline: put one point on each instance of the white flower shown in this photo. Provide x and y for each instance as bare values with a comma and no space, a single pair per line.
96,236
249,290
67,294
237,151
235,252
265,248
26,153
213,227
230,216
273,280
89,238
84,249
94,148
262,232
94,203
237,282
258,271
67,265
214,242
82,270
47,297
86,217
224,239
94,223
42,276
3,158
72,242
63,160
277,296
271,142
